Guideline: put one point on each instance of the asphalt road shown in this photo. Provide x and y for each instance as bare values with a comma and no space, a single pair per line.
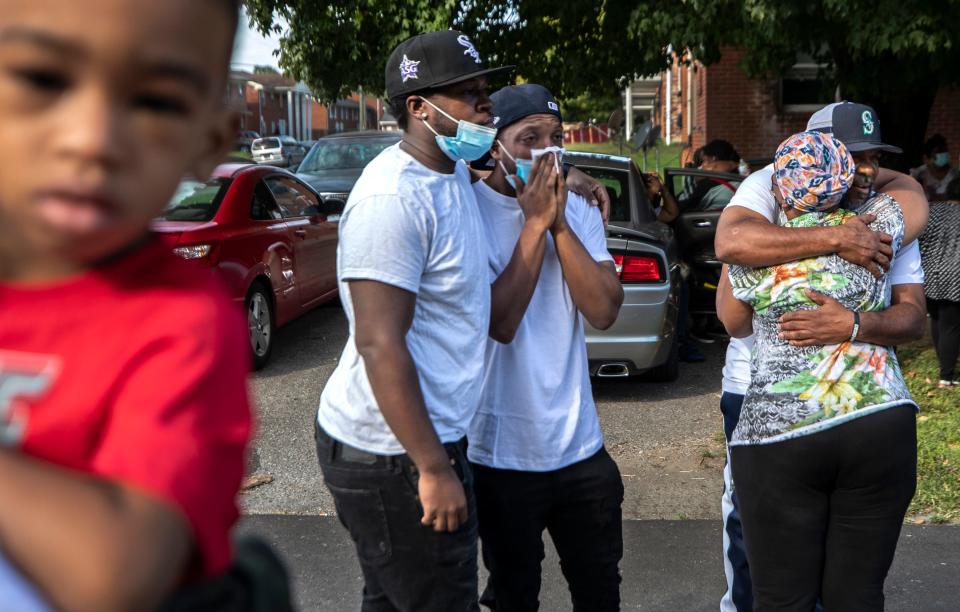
669,566
666,438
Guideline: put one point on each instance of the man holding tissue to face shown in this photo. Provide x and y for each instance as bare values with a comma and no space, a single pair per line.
535,443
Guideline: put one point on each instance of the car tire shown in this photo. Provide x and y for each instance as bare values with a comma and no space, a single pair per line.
260,324
669,370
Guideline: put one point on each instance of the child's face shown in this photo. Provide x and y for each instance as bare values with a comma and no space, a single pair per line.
104,106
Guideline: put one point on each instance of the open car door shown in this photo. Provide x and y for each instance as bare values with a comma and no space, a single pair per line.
702,195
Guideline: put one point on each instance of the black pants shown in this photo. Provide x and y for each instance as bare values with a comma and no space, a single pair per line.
578,505
822,513
407,567
945,328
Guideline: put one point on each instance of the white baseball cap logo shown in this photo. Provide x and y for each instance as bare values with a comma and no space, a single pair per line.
408,68
470,49
553,106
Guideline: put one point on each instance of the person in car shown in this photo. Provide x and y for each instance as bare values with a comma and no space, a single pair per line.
746,235
535,444
124,412
713,193
824,452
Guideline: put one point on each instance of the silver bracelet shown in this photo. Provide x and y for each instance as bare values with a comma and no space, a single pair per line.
856,326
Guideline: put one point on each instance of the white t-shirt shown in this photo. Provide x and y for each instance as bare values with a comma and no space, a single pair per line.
408,226
16,592
537,412
754,193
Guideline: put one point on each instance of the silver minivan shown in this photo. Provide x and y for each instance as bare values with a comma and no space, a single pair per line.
277,151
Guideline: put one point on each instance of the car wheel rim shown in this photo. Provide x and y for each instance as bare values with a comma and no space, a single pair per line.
258,319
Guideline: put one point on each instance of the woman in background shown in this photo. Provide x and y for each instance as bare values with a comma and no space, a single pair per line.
940,253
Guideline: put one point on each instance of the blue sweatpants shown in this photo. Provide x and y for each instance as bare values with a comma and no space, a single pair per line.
739,595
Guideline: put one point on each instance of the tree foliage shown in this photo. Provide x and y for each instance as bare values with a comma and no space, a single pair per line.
893,53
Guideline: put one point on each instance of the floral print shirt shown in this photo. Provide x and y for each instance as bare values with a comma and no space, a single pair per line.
796,391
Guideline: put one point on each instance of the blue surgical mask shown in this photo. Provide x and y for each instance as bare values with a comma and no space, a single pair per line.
941,160
524,166
471,142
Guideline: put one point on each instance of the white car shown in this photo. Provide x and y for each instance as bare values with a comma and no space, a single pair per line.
277,151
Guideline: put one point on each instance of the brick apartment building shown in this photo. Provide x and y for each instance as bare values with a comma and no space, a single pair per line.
272,104
720,101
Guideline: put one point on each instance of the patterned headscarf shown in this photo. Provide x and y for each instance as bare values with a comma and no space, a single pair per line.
813,171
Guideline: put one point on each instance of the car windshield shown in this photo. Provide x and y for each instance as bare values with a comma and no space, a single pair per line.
195,200
266,143
342,155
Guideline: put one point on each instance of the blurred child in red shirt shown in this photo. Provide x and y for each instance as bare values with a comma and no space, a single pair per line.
124,411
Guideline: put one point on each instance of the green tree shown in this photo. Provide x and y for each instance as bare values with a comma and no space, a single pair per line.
586,107
892,54
265,69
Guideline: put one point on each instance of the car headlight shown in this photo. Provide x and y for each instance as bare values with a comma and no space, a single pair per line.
193,252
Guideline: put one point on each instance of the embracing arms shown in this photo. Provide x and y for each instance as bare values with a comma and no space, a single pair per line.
747,237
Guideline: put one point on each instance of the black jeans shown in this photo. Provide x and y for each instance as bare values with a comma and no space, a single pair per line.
945,328
578,505
822,513
407,567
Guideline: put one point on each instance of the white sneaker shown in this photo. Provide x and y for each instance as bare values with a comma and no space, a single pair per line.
946,384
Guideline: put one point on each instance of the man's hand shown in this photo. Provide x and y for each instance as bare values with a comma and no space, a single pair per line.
560,196
654,185
831,323
538,198
443,500
864,247
589,188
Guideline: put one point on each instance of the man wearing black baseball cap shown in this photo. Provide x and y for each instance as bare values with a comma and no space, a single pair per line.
412,272
747,234
536,443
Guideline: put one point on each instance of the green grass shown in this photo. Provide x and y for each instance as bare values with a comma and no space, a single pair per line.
938,438
243,154
669,155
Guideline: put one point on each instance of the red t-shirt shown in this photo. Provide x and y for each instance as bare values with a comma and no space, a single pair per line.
135,372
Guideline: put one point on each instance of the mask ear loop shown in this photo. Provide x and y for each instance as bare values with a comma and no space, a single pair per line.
441,111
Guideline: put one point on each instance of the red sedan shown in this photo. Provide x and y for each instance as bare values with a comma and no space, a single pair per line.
264,232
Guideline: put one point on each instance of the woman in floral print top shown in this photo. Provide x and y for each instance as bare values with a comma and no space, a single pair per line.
821,487
800,390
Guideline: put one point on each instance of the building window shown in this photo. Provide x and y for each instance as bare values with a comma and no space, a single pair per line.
803,88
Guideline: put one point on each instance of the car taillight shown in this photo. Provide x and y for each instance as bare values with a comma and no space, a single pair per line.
203,253
637,268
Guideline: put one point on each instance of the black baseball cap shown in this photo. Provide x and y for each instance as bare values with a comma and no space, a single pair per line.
513,103
855,125
435,59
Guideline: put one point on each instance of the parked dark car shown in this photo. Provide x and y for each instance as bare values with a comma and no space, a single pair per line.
266,234
696,228
334,163
245,138
643,339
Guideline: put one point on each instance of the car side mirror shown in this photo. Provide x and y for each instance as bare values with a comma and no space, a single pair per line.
312,211
334,206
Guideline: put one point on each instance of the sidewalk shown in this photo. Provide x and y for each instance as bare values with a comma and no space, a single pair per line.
667,565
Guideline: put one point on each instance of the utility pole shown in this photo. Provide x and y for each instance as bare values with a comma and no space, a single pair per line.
363,110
